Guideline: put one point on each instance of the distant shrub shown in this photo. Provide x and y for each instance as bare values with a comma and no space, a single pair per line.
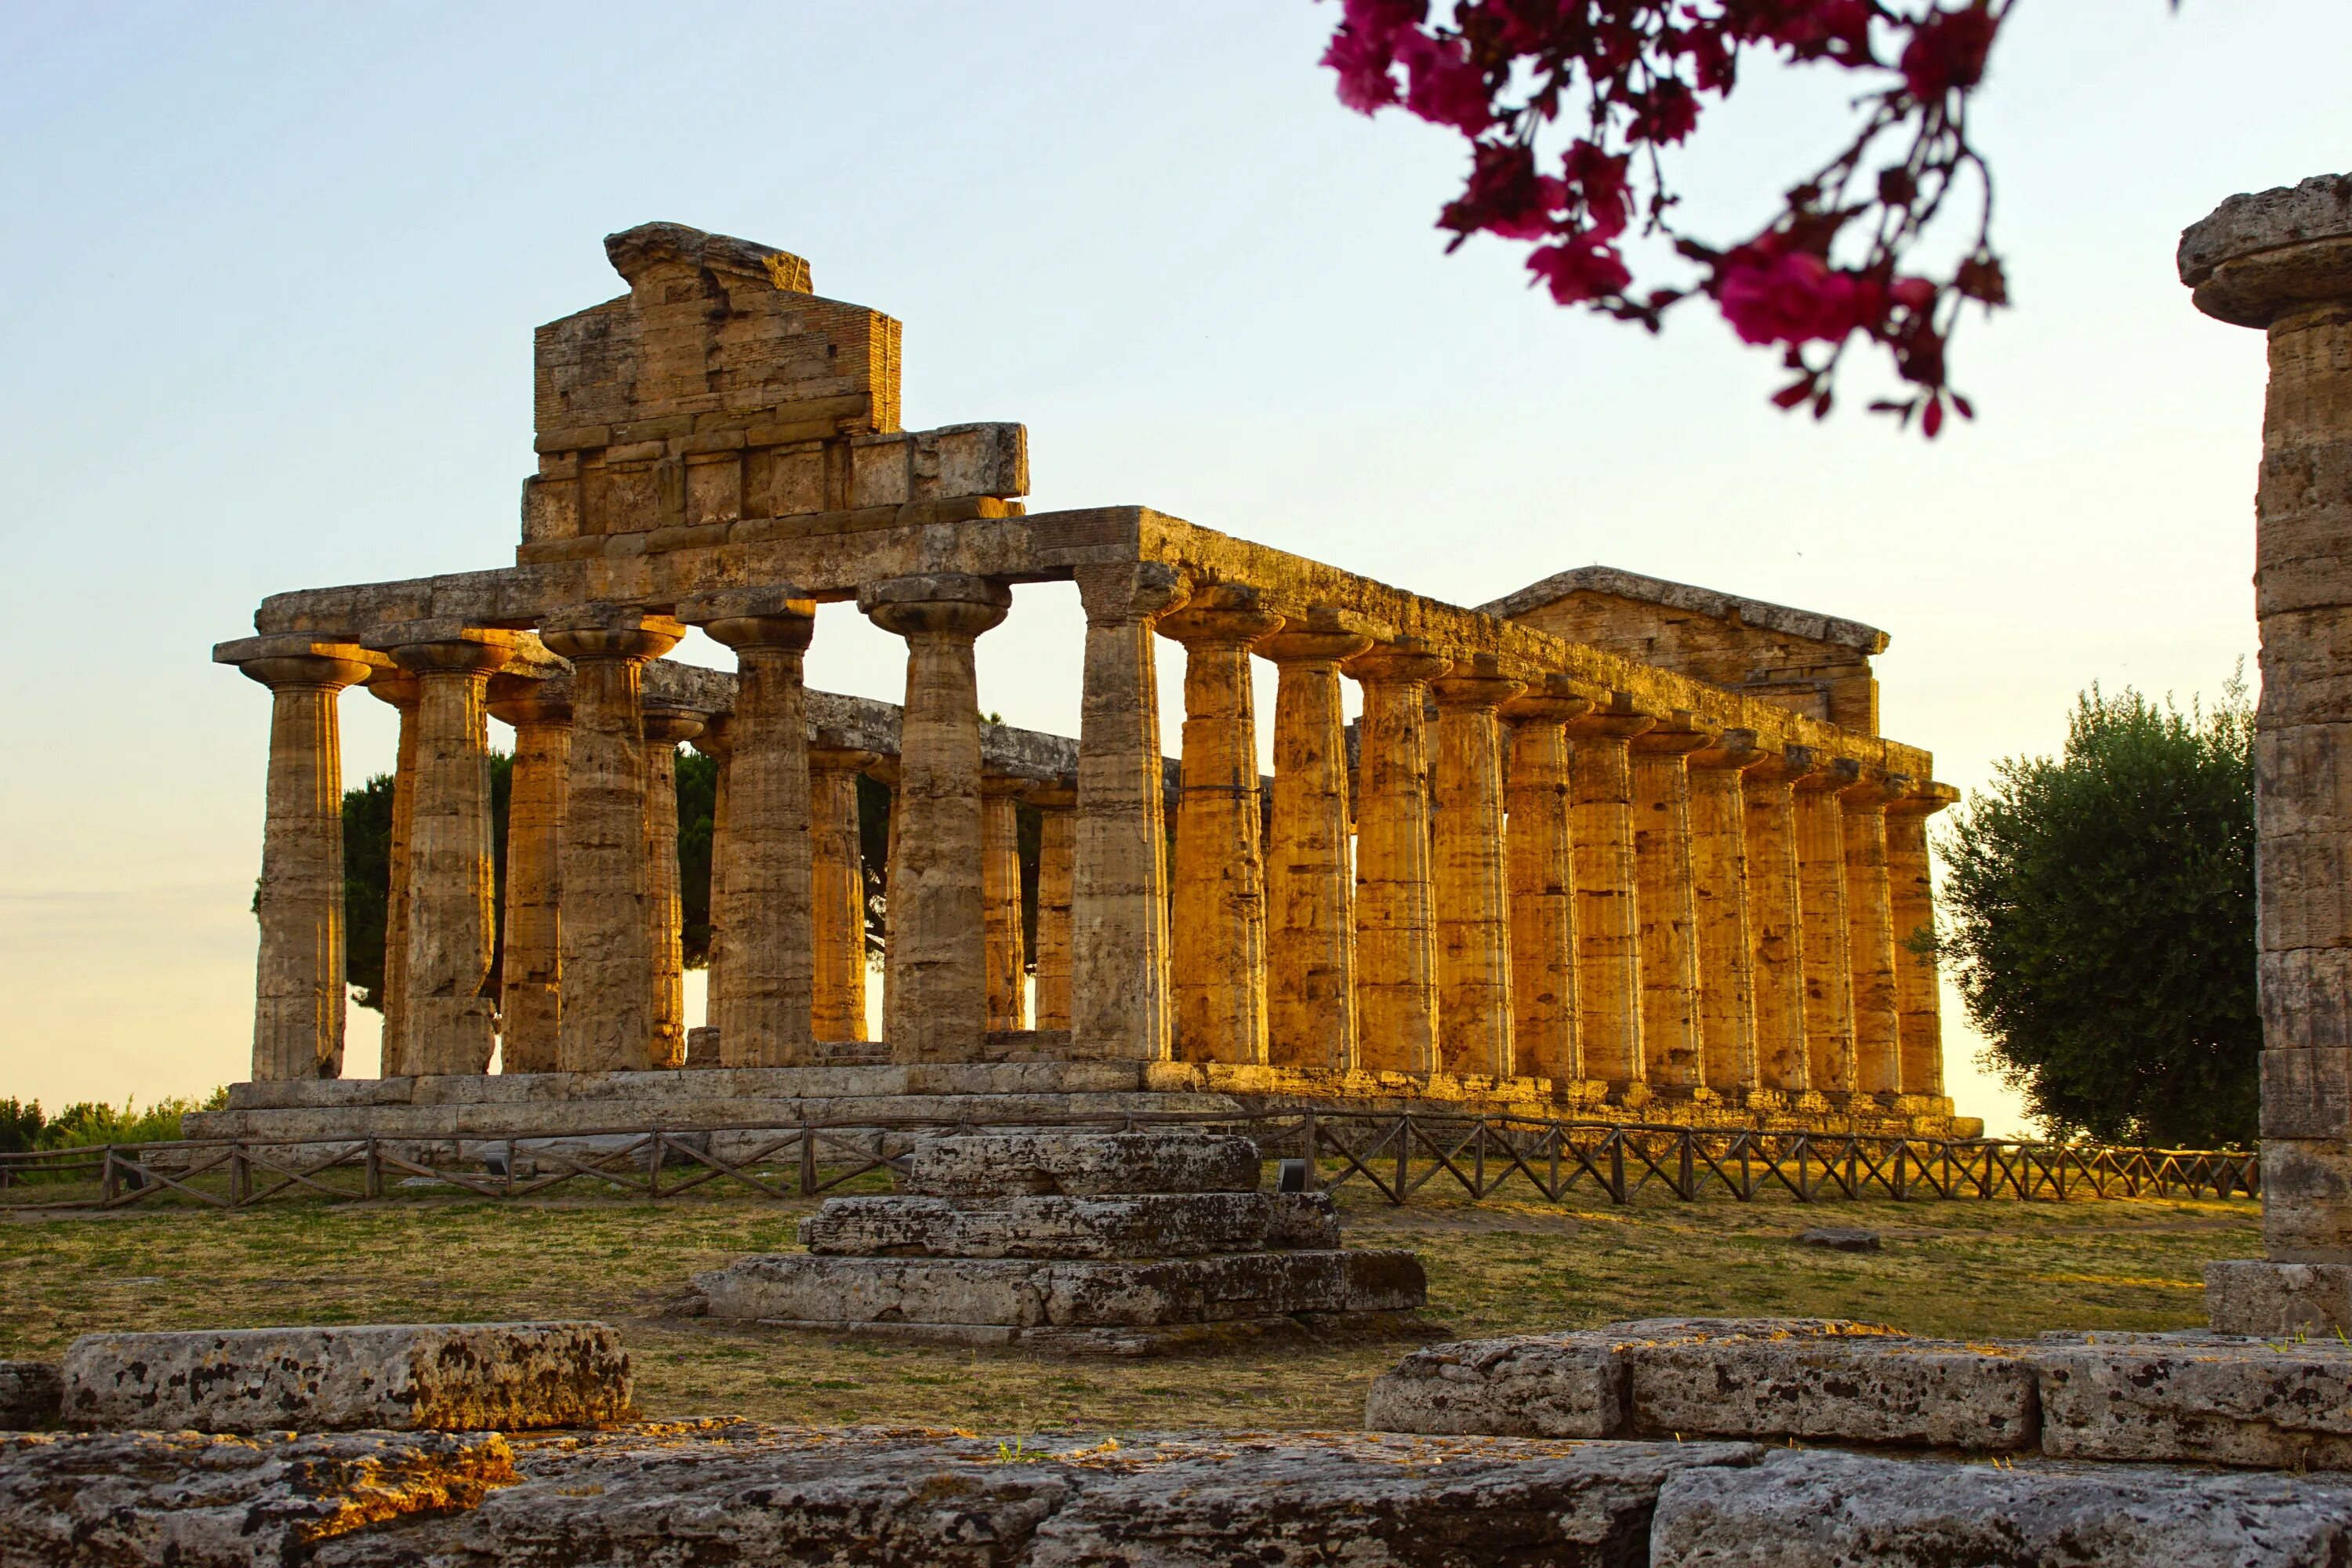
88,1122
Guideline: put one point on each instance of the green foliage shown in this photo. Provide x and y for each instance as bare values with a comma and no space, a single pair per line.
86,1123
697,804
2100,912
20,1125
367,884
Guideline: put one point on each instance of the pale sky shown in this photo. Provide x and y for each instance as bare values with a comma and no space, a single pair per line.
264,323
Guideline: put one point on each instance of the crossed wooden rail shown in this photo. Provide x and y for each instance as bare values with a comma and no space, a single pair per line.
1396,1154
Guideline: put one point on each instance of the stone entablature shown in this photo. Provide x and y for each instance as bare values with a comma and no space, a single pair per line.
1726,885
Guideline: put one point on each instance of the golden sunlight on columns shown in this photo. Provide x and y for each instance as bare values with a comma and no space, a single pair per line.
1118,866
837,892
1056,825
1540,846
1472,881
1608,920
666,729
1396,945
715,740
530,995
999,881
1672,1056
1219,975
1823,916
1727,990
298,1012
1775,924
1870,936
391,684
1310,932
1918,1000
607,936
939,940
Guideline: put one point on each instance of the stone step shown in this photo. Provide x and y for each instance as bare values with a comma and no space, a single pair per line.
29,1391
447,1377
1080,1164
1163,1224
799,1288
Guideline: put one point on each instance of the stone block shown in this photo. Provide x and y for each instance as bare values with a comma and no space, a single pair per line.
2307,1093
2256,1296
1528,1385
1061,1294
2216,1401
1161,1225
1021,1165
2308,1199
1804,1509
1835,1388
1301,1221
447,1377
29,1391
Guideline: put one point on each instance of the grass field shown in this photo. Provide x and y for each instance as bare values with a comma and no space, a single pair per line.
1953,1269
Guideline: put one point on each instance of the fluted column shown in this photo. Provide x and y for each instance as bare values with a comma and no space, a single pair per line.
1471,879
1310,940
1870,936
389,683
1056,800
1823,916
606,938
1775,922
715,740
1608,917
298,1009
1118,872
1918,1001
1396,941
1539,842
1727,989
767,1019
530,976
666,729
837,892
1219,973
1672,1050
939,942
999,891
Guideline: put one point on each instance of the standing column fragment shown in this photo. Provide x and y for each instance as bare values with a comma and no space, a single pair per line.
531,978
1539,842
999,883
1918,999
1775,922
1870,936
390,684
1608,917
1056,800
1825,921
667,728
1396,945
1672,1053
837,892
1727,990
1471,879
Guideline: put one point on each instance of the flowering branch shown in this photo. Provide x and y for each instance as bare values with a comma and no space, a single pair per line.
1839,264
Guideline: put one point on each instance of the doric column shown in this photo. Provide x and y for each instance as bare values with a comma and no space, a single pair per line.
1825,921
1471,879
1672,1049
1539,842
1727,990
837,892
1396,941
939,942
1119,871
1000,892
452,1017
1220,919
666,729
1310,940
1607,918
606,938
1775,920
2282,261
1918,1000
768,1018
531,967
1056,800
298,999
387,682
715,740
1870,936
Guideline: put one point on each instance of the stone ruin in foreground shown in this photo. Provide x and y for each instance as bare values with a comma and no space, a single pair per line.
1609,846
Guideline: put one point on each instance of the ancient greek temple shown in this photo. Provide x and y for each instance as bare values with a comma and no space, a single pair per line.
1608,848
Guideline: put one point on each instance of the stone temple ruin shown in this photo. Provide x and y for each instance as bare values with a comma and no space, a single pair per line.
1608,847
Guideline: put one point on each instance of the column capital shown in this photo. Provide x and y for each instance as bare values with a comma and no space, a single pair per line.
953,603
714,739
668,726
605,631
1875,791
842,759
1678,733
526,700
1828,775
1126,591
1474,684
1925,798
1785,766
779,616
1399,661
1620,718
2258,257
1223,614
1734,751
298,660
443,647
884,770
1059,794
1012,784
391,685
1548,700
1320,635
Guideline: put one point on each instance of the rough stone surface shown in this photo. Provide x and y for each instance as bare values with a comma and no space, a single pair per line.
1816,1509
1849,1388
2254,1296
2216,1401
2252,222
1296,1220
1838,1239
445,1377
29,1391
1164,1225
1019,1164
1528,1385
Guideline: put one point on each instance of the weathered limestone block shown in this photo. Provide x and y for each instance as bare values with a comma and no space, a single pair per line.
2229,1402
188,1500
1301,1221
1086,1164
1396,952
1528,1385
1539,844
1808,1508
1826,923
1727,948
1161,1225
1843,1388
1608,921
2253,1296
1672,1045
799,1287
29,1392
1870,936
444,1377
1310,941
1776,920
1471,879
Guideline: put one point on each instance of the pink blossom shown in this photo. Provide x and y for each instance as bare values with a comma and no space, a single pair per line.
1771,296
1442,85
1362,65
1582,269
